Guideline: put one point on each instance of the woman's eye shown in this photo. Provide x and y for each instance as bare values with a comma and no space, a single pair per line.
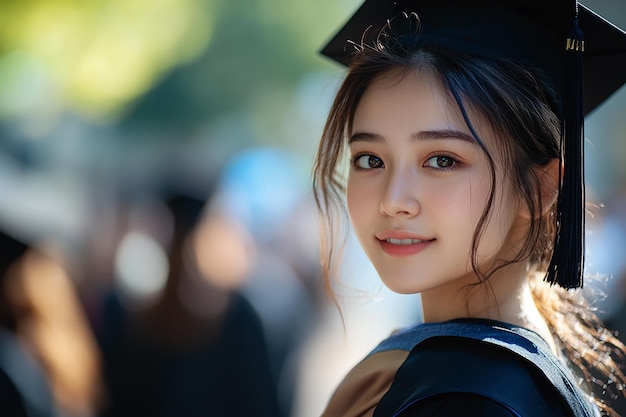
368,162
440,162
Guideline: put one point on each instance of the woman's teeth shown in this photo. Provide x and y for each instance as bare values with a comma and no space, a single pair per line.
403,241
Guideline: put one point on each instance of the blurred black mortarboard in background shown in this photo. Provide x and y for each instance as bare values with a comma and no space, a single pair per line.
11,249
186,211
580,56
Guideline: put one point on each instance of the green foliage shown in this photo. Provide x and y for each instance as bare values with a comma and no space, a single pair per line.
166,61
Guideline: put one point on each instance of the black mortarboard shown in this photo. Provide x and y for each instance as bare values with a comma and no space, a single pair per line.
570,47
186,212
11,249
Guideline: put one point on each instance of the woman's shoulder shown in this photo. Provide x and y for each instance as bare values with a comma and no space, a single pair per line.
491,363
441,367
360,391
495,367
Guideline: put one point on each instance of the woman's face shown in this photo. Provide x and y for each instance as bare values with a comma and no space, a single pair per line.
418,185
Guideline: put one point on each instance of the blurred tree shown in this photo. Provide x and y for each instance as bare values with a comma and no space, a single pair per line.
99,55
259,51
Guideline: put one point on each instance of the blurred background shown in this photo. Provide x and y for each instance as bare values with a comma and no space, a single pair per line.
159,153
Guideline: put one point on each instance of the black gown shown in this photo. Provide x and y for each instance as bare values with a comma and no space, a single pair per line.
480,368
228,377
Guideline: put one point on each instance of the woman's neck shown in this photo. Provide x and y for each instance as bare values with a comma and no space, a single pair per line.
506,297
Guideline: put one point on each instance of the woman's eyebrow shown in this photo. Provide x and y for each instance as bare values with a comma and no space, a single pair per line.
366,137
422,135
443,134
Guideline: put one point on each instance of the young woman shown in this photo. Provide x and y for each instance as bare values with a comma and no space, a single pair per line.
463,121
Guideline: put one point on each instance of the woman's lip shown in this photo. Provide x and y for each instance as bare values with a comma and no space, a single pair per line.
406,247
402,243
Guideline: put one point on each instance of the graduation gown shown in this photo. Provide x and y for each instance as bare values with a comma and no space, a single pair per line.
467,367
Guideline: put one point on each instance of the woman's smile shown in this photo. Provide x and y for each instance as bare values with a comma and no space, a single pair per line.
395,243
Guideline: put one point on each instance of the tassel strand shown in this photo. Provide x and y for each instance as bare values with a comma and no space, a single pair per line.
567,263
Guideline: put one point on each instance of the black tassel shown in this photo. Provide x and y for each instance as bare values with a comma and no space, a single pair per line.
567,263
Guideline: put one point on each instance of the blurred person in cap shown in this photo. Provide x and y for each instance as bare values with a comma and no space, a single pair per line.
198,348
49,360
462,124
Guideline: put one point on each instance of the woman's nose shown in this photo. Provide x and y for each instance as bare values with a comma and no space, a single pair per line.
400,196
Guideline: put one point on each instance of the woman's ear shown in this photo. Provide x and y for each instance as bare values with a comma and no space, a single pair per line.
548,176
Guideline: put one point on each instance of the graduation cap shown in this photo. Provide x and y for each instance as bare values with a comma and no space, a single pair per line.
577,53
11,249
186,212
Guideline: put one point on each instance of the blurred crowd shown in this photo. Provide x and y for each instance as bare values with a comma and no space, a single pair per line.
177,302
